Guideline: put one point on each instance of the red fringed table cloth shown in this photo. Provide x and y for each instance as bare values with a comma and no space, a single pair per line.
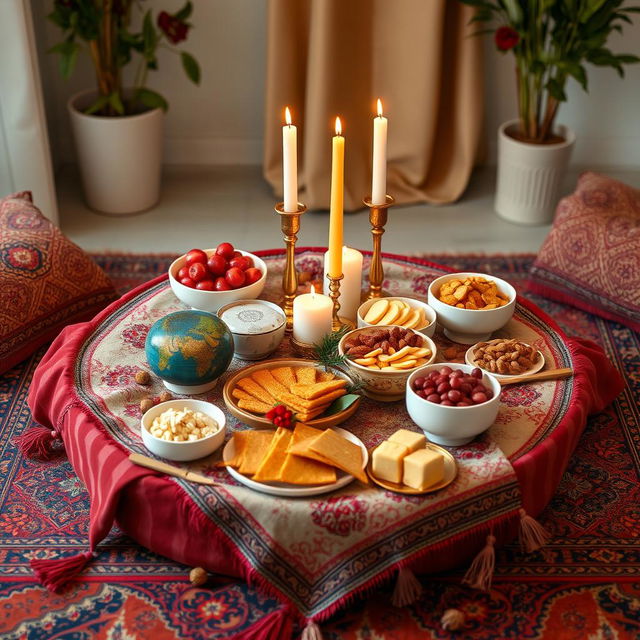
315,554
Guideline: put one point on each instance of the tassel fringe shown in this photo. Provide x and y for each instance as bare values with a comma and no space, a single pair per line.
407,590
37,443
533,535
278,625
480,573
55,574
311,632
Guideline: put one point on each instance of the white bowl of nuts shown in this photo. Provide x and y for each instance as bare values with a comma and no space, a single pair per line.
452,403
183,429
505,357
382,358
471,306
403,312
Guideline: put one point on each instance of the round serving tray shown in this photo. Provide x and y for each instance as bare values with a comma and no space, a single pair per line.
321,422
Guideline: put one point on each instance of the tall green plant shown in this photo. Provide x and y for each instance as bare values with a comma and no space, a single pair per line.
103,29
551,41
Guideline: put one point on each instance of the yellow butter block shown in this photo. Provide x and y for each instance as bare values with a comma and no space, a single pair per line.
423,468
386,461
410,439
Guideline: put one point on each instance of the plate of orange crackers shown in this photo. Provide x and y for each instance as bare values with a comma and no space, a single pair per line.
305,387
297,462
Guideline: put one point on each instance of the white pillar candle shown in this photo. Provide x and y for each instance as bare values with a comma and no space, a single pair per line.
379,176
350,285
336,211
312,316
290,164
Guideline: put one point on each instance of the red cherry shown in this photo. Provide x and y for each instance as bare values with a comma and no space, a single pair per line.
221,285
205,285
226,250
188,282
197,271
241,262
217,265
235,277
277,421
236,254
281,409
252,275
271,414
183,273
196,255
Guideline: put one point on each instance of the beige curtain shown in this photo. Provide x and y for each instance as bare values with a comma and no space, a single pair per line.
335,57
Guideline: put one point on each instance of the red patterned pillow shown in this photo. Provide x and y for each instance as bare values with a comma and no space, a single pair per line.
591,257
46,281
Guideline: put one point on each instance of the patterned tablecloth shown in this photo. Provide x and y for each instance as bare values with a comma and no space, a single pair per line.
314,553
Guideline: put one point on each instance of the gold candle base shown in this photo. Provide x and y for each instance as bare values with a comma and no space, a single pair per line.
378,220
338,322
302,349
290,224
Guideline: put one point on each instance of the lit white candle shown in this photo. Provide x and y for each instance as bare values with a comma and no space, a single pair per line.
336,210
312,316
379,176
350,285
290,164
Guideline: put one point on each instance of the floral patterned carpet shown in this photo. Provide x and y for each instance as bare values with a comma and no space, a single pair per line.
584,585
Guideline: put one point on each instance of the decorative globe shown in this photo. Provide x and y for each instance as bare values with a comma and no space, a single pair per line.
189,350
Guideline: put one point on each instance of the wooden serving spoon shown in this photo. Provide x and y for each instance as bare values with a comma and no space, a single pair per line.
169,469
551,374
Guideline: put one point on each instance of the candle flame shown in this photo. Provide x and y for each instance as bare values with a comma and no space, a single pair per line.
379,108
287,116
338,127
313,290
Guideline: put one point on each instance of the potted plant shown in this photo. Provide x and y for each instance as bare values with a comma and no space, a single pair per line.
118,129
551,41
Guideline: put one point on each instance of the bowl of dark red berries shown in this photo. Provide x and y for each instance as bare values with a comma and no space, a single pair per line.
207,279
452,403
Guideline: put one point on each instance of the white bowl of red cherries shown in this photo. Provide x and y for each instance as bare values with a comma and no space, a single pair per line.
452,403
207,279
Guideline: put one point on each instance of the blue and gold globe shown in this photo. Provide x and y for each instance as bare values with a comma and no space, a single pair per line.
189,350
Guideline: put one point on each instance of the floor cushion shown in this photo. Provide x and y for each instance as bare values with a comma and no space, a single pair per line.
46,281
591,257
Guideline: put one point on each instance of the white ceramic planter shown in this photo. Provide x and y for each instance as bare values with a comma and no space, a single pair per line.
120,158
530,176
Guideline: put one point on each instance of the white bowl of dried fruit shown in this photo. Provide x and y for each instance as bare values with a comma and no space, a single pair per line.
183,429
402,312
382,358
471,306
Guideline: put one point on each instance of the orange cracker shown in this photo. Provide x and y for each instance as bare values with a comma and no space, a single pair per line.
254,406
269,468
240,443
339,452
325,376
266,380
311,414
310,392
298,470
284,375
257,444
305,375
253,388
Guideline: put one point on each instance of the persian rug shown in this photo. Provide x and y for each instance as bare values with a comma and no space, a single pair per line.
584,584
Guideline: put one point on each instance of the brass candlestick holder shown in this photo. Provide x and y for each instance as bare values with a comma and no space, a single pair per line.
338,322
378,220
290,224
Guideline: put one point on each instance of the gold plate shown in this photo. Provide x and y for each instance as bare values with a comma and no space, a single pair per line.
258,421
450,473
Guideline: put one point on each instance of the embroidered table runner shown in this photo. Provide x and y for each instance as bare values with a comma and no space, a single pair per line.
317,552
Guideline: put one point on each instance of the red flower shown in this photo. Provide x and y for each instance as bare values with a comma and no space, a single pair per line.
176,30
506,38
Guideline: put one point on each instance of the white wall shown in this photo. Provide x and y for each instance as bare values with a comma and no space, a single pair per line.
221,122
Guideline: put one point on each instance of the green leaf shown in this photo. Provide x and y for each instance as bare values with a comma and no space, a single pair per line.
556,89
98,105
341,403
149,38
116,102
185,12
627,58
151,99
191,67
68,51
